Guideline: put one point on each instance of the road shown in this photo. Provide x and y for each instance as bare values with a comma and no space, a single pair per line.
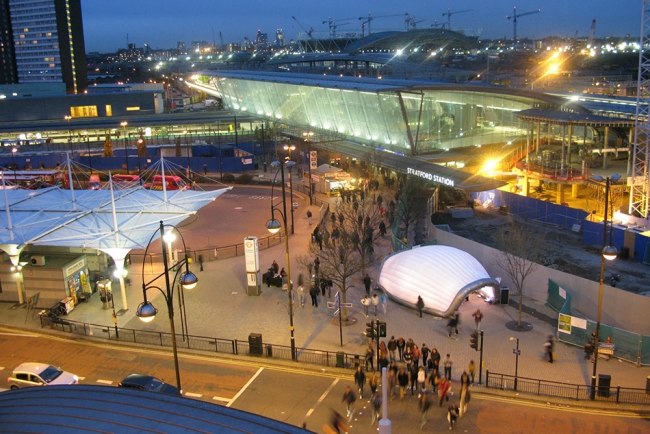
292,394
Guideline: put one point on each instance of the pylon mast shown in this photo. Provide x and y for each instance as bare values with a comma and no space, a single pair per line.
639,179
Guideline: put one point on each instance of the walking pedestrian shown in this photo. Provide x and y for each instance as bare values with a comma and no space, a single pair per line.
478,316
424,404
447,363
313,293
444,387
422,379
425,351
464,394
402,381
337,423
349,398
383,299
420,305
365,302
360,379
375,401
392,348
375,302
301,296
471,370
548,347
309,216
452,415
370,356
367,281
435,359
373,382
401,344
452,324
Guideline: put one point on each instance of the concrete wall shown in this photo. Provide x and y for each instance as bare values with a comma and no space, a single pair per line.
621,308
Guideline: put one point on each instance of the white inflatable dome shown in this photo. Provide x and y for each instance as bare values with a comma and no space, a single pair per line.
443,276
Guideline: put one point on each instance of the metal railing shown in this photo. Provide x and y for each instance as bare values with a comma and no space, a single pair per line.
206,344
577,392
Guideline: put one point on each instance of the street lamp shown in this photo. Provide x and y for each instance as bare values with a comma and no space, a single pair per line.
516,352
68,118
290,148
188,280
274,226
608,253
13,163
307,138
123,124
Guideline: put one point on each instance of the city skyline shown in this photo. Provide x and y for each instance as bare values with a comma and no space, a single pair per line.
109,26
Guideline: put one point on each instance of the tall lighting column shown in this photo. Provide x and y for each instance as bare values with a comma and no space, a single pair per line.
123,124
608,253
290,148
274,226
307,138
188,280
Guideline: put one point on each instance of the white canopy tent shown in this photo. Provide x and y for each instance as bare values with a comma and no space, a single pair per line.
443,276
113,221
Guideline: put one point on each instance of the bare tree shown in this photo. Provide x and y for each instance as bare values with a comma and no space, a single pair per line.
361,218
521,250
339,259
411,205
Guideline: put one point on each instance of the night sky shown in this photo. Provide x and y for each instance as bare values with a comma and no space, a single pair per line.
162,23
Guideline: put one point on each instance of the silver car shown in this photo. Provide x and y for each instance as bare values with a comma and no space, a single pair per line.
39,374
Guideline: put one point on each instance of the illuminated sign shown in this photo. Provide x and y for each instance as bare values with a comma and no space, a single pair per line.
430,176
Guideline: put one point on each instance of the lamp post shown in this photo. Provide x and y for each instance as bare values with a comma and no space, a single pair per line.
87,140
516,352
123,124
608,253
188,280
290,148
13,163
274,226
308,135
68,118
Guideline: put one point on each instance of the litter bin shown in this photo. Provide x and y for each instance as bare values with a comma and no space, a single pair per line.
504,295
340,362
604,381
255,344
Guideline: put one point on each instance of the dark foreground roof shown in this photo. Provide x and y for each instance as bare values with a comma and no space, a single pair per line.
86,408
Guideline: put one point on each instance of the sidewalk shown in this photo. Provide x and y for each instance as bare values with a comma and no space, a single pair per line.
219,307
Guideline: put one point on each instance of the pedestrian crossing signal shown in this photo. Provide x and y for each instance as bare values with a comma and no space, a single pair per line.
370,330
382,329
473,340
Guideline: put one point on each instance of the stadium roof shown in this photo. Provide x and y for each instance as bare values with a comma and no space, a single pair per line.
88,408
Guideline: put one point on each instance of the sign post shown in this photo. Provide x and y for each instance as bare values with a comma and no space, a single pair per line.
252,258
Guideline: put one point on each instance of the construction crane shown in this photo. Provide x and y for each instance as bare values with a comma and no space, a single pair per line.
515,16
332,24
592,33
449,13
307,32
365,21
411,22
639,180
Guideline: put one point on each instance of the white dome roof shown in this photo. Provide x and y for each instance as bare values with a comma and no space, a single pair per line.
443,276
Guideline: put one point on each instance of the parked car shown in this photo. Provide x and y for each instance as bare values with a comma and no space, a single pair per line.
39,374
149,383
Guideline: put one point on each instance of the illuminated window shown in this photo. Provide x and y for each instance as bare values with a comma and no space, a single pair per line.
109,110
133,109
89,111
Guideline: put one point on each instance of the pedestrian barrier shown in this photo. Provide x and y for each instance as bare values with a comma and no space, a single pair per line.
254,346
577,392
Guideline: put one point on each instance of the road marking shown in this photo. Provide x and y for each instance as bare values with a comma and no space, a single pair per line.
248,383
192,395
82,378
105,381
219,398
322,398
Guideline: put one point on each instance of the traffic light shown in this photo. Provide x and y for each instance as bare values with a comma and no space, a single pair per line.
370,330
473,340
382,329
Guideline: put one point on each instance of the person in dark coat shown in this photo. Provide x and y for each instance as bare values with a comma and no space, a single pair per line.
367,281
420,305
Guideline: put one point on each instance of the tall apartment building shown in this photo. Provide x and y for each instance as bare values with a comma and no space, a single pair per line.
42,41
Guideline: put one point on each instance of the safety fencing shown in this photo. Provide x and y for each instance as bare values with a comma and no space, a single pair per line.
578,392
252,347
629,346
